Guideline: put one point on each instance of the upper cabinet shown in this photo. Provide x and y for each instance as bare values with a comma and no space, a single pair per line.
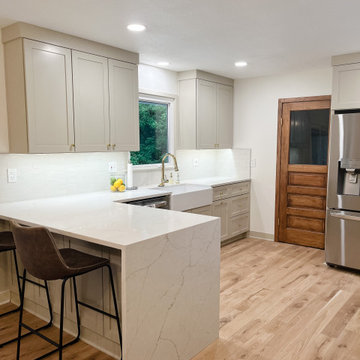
346,82
48,98
205,111
124,106
91,102
64,100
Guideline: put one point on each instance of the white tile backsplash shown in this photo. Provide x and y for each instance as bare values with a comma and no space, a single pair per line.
47,175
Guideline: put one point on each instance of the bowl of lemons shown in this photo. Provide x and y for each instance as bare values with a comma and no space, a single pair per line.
117,184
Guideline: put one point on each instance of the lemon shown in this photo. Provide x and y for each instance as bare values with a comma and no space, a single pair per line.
113,188
121,188
118,183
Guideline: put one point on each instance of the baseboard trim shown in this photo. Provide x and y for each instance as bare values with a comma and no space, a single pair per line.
261,235
4,297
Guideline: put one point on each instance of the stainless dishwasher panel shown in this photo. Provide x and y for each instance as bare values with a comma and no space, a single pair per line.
342,241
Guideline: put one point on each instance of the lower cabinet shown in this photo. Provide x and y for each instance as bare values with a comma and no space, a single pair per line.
231,203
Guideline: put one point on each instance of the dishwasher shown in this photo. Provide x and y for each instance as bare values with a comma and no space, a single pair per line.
159,202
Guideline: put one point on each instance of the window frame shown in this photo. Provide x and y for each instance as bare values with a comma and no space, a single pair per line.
170,101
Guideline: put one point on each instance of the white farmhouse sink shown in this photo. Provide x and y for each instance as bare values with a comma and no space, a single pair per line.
188,196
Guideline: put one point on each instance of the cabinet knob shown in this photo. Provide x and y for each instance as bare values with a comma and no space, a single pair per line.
108,146
114,146
72,147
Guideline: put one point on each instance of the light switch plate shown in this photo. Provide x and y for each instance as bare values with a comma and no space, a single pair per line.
12,175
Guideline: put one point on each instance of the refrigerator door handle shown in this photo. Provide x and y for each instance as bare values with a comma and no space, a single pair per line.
345,215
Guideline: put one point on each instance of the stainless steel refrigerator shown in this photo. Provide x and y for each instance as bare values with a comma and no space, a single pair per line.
342,237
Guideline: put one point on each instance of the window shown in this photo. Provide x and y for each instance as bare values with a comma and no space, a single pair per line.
155,118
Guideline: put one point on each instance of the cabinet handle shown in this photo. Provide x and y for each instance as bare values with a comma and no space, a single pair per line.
108,146
114,146
72,147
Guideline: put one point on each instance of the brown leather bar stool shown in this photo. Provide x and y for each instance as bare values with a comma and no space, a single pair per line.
42,259
7,244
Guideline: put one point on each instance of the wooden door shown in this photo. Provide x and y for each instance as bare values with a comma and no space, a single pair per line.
124,106
49,100
91,102
302,170
206,114
224,116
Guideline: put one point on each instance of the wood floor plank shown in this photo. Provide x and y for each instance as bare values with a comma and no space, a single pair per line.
281,301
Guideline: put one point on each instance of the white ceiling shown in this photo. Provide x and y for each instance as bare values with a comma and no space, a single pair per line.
272,36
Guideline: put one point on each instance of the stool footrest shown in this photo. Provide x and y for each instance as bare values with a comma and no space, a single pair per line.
97,310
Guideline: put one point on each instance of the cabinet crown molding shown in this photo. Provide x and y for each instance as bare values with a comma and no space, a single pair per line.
33,32
345,59
203,75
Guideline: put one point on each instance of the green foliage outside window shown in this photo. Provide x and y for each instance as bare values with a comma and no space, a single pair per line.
153,118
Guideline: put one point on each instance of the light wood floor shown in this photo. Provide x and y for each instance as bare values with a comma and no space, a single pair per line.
281,302
32,346
278,302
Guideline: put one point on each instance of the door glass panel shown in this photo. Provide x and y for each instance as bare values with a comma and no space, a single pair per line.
309,135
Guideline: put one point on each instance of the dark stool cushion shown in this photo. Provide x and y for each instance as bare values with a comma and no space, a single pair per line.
79,262
6,241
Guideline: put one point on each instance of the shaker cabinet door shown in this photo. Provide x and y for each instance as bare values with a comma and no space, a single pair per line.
224,116
48,79
206,115
221,209
91,102
124,106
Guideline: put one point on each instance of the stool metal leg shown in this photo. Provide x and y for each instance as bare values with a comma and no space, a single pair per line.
21,315
116,307
76,308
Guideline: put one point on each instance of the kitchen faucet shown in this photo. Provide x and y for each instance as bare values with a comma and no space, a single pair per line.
163,177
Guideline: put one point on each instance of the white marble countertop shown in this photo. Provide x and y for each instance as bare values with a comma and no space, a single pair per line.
97,218
215,181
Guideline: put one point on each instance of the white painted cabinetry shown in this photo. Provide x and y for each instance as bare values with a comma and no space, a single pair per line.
91,102
60,99
48,97
205,111
232,205
124,106
346,87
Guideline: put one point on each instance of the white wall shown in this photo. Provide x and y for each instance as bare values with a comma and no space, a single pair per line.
255,127
159,80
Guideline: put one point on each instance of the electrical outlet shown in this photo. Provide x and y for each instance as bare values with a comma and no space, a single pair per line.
12,175
196,162
112,166
253,163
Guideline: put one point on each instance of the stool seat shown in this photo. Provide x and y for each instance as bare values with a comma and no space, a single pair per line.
6,241
79,262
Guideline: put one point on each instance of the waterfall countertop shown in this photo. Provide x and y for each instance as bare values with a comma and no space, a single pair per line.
98,217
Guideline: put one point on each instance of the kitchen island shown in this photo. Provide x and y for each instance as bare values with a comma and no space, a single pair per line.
165,263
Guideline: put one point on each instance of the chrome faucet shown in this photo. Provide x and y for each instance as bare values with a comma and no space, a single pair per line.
163,177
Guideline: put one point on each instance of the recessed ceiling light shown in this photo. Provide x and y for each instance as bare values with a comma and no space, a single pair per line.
136,27
241,63
163,63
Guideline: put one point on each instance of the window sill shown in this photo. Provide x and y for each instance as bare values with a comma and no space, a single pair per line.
151,167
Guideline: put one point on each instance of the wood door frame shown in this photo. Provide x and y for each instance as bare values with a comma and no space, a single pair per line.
281,102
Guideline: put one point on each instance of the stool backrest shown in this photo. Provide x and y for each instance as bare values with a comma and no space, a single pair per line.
38,252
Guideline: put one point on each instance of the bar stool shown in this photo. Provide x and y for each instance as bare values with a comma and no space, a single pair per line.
42,259
7,244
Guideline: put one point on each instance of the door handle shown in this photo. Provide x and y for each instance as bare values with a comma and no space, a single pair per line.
345,215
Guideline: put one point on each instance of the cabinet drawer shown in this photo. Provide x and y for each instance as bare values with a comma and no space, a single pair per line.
239,188
221,192
239,205
239,224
